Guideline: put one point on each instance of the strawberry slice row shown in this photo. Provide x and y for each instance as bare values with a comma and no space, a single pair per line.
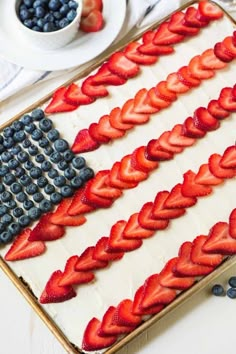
195,259
126,64
138,110
126,236
108,185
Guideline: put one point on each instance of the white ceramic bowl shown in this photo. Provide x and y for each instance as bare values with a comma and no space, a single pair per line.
50,40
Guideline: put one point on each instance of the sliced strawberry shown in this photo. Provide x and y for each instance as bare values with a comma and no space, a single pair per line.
95,200
147,221
83,142
189,129
129,174
93,90
191,20
222,53
109,328
100,186
94,22
205,177
133,230
154,49
77,207
209,60
157,101
58,103
86,262
216,110
54,292
177,138
148,36
119,64
186,78
105,77
164,93
45,230
204,120
227,99
161,212
165,145
101,252
155,153
22,248
198,256
132,53
155,293
105,128
229,45
61,216
191,188
92,340
217,170
184,265
75,96
140,162
72,277
115,181
219,240
90,5
128,114
197,71
176,199
174,84
232,224
209,11
168,279
138,309
164,36
96,136
123,315
229,157
142,103
177,25
115,119
118,243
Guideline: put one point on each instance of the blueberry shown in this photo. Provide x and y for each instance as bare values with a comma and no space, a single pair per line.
43,143
26,119
63,23
36,28
45,205
71,15
2,188
42,182
28,204
1,148
24,14
15,150
231,293
21,197
53,173
3,210
64,9
8,132
55,157
49,18
23,7
78,162
59,181
49,27
24,220
28,165
73,4
39,158
17,125
30,128
6,196
49,189
48,150
57,15
32,188
53,135
45,125
6,219
17,212
13,164
218,290
56,198
40,12
54,5
8,143
28,3
25,180
4,170
35,172
5,237
232,282
76,182
11,204
68,155
19,172
9,178
14,228
16,188
64,1
6,156
34,213
46,166
37,134
38,3
62,165
33,150
86,173
38,197
26,143
61,145
19,136
28,23
69,173
23,156
66,191
41,23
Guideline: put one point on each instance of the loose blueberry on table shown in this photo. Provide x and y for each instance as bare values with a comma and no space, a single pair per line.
37,170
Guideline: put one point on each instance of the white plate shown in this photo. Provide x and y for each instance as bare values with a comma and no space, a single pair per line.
15,49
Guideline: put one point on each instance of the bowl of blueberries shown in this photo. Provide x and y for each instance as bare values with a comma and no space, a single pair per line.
48,24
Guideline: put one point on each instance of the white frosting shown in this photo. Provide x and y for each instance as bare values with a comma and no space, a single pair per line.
122,278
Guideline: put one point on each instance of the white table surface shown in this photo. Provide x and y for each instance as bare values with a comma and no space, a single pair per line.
205,324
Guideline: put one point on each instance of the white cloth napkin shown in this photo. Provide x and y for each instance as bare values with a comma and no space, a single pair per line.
14,78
